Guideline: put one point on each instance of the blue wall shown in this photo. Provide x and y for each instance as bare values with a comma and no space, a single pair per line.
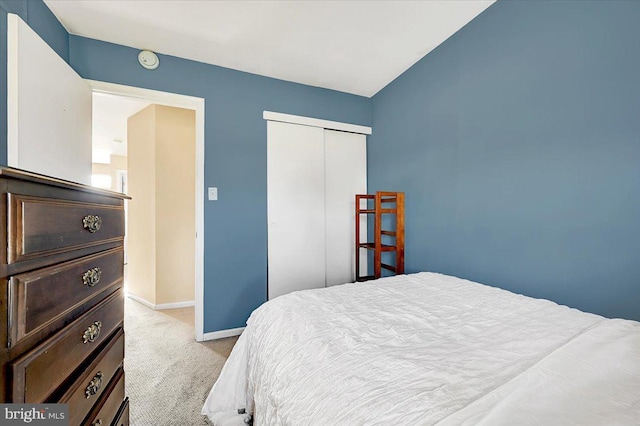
517,143
235,147
38,16
235,255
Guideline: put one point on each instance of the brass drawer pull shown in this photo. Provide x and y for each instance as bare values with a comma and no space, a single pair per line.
92,223
91,277
92,333
97,423
94,385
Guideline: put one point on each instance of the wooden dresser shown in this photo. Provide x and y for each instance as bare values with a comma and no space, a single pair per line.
61,304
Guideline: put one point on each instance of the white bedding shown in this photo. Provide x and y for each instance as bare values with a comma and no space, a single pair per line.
428,349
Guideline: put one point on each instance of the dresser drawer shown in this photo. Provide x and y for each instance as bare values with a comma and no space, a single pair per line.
123,415
93,383
42,370
44,226
109,405
41,297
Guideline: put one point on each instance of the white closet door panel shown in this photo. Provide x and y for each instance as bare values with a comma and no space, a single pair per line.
345,176
49,109
295,208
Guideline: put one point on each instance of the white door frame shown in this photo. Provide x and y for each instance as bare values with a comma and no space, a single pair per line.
197,104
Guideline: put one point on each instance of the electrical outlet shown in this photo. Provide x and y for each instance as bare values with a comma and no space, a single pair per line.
213,194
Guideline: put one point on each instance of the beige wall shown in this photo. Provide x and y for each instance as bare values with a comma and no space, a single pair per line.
118,162
141,256
175,204
162,172
102,169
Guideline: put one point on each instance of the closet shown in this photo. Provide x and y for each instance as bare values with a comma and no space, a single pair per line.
313,173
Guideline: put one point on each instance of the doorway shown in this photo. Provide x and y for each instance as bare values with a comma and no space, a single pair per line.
145,98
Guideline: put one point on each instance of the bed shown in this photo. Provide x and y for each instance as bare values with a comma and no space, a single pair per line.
427,349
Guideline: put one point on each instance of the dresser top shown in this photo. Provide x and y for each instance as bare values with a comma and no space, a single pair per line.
18,174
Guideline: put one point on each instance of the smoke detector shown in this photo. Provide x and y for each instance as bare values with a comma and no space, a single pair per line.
148,59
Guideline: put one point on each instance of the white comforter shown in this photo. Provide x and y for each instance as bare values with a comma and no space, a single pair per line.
428,349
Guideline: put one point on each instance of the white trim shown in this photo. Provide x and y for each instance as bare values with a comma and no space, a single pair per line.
197,104
121,177
140,300
158,97
223,333
12,89
162,306
175,305
315,122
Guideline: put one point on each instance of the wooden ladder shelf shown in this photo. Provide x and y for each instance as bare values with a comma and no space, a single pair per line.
384,203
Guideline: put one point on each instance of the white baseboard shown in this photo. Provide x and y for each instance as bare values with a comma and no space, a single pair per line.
175,305
223,333
139,299
160,306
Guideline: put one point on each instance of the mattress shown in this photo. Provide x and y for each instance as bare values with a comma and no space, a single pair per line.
426,349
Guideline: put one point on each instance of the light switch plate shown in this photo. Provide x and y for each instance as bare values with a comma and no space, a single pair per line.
213,194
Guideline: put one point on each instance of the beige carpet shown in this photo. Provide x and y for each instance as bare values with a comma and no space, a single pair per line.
168,374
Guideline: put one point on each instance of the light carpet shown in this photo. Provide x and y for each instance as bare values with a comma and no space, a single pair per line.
168,374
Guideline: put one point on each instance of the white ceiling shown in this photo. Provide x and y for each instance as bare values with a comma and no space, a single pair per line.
354,46
110,115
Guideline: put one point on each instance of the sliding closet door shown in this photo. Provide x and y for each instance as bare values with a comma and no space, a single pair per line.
345,175
295,208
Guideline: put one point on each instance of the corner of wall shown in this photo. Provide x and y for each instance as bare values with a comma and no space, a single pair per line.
44,22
